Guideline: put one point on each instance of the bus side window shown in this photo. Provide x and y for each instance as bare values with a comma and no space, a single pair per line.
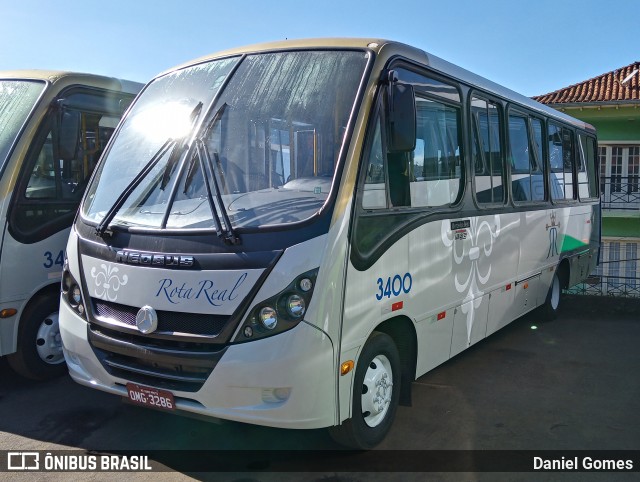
382,170
42,183
567,161
61,160
527,183
592,172
66,178
561,159
436,167
489,165
398,171
587,185
538,178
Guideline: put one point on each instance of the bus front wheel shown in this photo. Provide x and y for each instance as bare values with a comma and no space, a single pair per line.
39,352
376,391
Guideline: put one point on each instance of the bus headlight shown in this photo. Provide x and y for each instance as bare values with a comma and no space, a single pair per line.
71,292
75,296
280,312
296,306
268,318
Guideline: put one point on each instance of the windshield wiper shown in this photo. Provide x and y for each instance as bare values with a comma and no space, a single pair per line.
178,148
228,235
101,228
191,169
177,153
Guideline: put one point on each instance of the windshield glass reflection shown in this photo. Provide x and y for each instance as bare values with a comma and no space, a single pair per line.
272,141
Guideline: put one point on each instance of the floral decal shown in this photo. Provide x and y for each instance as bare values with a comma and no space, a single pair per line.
481,237
107,281
553,235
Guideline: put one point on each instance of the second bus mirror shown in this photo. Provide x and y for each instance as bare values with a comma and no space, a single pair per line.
401,118
69,134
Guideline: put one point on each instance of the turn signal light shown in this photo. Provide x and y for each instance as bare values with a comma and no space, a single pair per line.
346,367
8,312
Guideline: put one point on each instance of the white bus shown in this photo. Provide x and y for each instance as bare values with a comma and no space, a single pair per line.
289,234
53,126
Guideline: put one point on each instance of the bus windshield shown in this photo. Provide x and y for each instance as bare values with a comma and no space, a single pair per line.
271,142
17,98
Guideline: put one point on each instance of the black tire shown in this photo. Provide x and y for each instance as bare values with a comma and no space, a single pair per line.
39,350
365,430
549,310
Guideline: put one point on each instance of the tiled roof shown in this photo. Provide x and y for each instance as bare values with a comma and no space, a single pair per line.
620,85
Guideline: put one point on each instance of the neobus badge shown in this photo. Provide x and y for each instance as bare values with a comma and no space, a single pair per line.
148,259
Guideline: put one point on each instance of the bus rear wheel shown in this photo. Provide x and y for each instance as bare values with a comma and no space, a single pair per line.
549,310
376,391
39,351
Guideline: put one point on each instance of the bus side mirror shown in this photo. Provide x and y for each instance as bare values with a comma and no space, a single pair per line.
68,134
401,116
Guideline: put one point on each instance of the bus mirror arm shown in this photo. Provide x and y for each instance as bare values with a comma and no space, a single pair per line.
401,115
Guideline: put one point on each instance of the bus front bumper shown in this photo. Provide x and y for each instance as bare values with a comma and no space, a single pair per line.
287,380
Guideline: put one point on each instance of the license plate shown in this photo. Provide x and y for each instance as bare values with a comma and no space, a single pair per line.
150,397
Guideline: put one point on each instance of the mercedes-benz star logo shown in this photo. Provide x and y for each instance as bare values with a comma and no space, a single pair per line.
147,320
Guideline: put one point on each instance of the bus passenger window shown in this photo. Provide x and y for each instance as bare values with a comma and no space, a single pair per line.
538,178
591,167
489,166
561,159
527,183
587,186
435,165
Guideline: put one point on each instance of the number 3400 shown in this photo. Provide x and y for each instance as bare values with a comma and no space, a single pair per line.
394,286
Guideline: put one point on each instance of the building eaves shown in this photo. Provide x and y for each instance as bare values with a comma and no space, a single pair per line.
620,85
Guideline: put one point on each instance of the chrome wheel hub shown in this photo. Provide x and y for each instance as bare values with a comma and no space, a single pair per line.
377,390
48,340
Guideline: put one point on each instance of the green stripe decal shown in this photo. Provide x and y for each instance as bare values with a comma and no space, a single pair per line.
569,244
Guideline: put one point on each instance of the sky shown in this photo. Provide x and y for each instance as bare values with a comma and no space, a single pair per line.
533,47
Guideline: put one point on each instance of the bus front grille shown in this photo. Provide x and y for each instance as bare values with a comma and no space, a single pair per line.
168,321
162,363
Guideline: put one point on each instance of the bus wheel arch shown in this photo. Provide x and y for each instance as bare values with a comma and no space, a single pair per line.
403,334
38,353
564,271
374,397
384,372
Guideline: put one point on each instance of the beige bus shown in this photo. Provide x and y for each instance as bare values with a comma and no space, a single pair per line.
289,234
53,128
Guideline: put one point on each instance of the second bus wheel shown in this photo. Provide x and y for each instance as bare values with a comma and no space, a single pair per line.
549,309
39,352
376,391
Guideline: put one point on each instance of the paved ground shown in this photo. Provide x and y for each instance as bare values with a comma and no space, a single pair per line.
571,384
